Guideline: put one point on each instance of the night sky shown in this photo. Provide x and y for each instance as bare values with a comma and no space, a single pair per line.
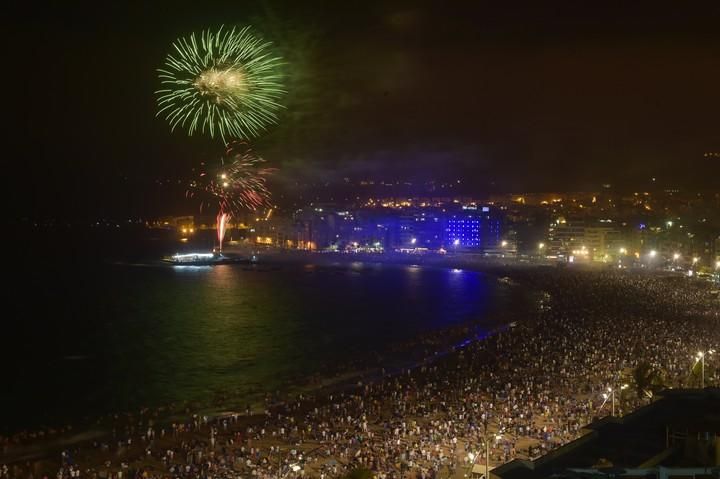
505,95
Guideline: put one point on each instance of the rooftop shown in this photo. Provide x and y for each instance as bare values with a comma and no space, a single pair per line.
679,430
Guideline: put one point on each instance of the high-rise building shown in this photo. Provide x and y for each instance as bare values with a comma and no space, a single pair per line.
583,239
565,236
473,228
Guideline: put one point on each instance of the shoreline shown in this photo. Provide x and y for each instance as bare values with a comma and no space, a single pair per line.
320,384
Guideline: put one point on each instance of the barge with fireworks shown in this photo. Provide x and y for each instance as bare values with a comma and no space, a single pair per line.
206,259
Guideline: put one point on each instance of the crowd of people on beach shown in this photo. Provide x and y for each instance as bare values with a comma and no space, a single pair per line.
518,393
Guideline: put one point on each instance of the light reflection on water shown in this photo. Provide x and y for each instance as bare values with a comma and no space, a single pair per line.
147,336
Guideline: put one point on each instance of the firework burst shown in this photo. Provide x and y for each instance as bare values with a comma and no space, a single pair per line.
225,83
238,184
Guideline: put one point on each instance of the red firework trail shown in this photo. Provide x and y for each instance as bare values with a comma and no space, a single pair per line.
239,183
222,221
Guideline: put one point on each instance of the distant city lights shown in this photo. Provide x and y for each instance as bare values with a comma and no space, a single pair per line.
606,231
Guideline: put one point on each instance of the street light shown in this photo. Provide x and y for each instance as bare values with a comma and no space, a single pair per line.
695,260
291,468
611,394
487,454
503,243
623,251
653,253
472,458
676,256
701,357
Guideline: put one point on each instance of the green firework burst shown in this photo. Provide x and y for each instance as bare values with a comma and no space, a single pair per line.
225,83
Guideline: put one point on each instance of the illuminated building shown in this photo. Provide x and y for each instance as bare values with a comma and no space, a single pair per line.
473,228
601,240
565,236
276,231
592,241
313,226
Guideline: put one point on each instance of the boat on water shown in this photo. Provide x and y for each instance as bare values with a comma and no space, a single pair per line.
206,259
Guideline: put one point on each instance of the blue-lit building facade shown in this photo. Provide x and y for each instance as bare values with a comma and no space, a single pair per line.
473,228
432,229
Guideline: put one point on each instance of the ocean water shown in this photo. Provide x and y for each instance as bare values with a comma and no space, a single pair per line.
85,338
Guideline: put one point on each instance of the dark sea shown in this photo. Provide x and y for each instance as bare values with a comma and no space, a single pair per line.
101,326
